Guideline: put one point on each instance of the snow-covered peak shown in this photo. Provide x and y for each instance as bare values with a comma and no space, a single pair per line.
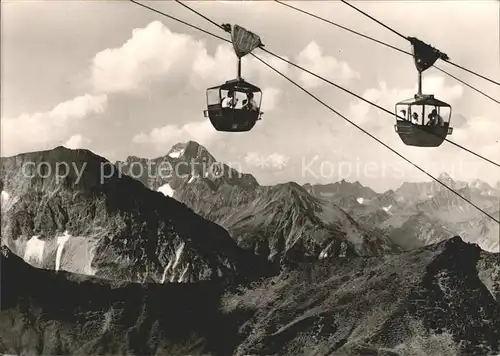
176,153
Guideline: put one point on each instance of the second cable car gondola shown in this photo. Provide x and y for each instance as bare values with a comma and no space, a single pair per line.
423,120
235,105
414,129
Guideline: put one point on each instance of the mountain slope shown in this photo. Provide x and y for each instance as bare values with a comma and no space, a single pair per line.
438,300
418,214
58,313
342,189
282,222
96,221
288,223
431,301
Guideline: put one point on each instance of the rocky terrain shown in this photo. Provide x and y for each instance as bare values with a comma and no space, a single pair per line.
442,299
283,223
417,214
414,215
165,257
91,219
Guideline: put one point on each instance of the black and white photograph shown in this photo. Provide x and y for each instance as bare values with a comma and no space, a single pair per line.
250,177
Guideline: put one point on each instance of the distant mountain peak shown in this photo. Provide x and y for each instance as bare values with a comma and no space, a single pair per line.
445,176
292,187
190,151
479,184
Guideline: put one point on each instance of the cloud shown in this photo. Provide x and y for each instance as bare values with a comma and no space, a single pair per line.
270,98
482,133
36,131
312,58
166,136
77,141
152,53
273,160
222,66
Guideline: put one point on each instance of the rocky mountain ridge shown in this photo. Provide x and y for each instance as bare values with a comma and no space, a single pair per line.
90,219
283,223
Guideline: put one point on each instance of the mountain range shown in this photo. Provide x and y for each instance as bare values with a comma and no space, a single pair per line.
182,254
414,215
283,223
417,214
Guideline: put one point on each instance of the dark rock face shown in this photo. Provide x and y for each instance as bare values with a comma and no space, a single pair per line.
431,301
109,224
58,313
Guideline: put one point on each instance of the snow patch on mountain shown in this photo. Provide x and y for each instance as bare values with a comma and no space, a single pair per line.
61,241
172,265
176,153
166,190
34,249
4,197
7,201
387,208
360,200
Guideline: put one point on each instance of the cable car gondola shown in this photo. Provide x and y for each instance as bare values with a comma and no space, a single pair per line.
412,126
235,105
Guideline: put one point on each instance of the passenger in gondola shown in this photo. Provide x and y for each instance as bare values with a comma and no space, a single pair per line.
404,114
230,100
249,103
415,118
432,118
435,119
440,120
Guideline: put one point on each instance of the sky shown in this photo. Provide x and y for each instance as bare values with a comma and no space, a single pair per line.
120,80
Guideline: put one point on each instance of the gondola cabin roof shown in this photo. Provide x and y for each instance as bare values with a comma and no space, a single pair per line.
424,100
239,85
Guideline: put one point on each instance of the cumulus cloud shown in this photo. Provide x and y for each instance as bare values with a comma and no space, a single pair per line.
152,53
166,136
223,66
77,141
38,130
155,53
313,59
482,133
270,98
